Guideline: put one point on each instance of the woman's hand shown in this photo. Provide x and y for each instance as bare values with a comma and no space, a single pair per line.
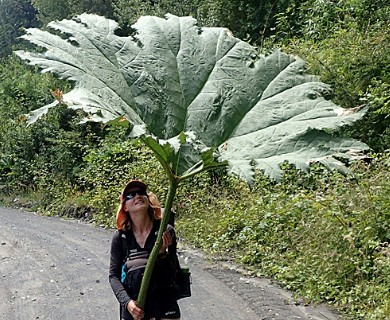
167,241
136,312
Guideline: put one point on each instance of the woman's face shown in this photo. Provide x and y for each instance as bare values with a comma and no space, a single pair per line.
136,200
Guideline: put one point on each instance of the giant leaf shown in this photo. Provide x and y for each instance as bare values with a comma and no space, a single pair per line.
174,77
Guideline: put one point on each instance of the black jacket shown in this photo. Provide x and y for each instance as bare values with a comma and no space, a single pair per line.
161,298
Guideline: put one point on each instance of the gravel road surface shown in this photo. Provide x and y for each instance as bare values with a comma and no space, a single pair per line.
51,268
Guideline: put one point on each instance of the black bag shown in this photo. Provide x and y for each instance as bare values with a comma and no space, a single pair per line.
183,281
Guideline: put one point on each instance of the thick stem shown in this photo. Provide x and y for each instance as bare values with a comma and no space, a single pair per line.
153,256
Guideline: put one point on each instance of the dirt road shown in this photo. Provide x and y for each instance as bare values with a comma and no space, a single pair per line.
52,268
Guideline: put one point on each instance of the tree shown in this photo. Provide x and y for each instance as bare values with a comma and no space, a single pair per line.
251,20
199,98
14,16
50,10
126,12
247,19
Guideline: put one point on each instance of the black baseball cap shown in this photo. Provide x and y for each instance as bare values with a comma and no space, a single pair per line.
134,183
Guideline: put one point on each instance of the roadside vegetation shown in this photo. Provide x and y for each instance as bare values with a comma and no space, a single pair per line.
322,235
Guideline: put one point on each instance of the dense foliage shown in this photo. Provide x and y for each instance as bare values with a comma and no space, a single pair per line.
323,235
35,158
14,16
50,10
286,229
347,44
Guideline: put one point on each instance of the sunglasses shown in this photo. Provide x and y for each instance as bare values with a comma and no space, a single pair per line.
132,194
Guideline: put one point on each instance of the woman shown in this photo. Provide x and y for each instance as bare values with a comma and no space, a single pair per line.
138,221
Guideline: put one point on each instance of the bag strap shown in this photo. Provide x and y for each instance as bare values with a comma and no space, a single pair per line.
123,236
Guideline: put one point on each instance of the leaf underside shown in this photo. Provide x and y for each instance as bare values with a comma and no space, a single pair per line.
196,91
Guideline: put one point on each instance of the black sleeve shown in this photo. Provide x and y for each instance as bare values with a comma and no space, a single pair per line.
116,261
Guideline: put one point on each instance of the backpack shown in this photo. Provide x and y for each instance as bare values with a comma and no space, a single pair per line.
133,268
